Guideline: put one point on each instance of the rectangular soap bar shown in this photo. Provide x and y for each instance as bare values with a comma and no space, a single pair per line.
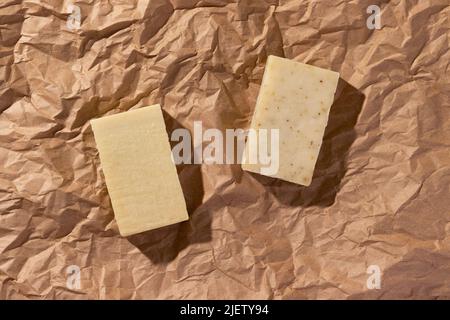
296,99
140,176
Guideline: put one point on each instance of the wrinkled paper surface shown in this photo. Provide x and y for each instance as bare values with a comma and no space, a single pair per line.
381,189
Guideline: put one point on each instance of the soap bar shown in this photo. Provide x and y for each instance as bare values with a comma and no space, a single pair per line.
140,175
294,98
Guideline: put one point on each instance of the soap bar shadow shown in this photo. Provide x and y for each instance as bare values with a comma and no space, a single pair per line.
162,245
331,164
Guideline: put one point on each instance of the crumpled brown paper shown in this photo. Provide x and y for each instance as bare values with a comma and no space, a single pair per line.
380,194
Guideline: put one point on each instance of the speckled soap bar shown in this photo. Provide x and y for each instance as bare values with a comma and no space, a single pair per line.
296,99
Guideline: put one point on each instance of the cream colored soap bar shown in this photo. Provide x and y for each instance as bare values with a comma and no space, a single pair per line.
140,176
296,99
